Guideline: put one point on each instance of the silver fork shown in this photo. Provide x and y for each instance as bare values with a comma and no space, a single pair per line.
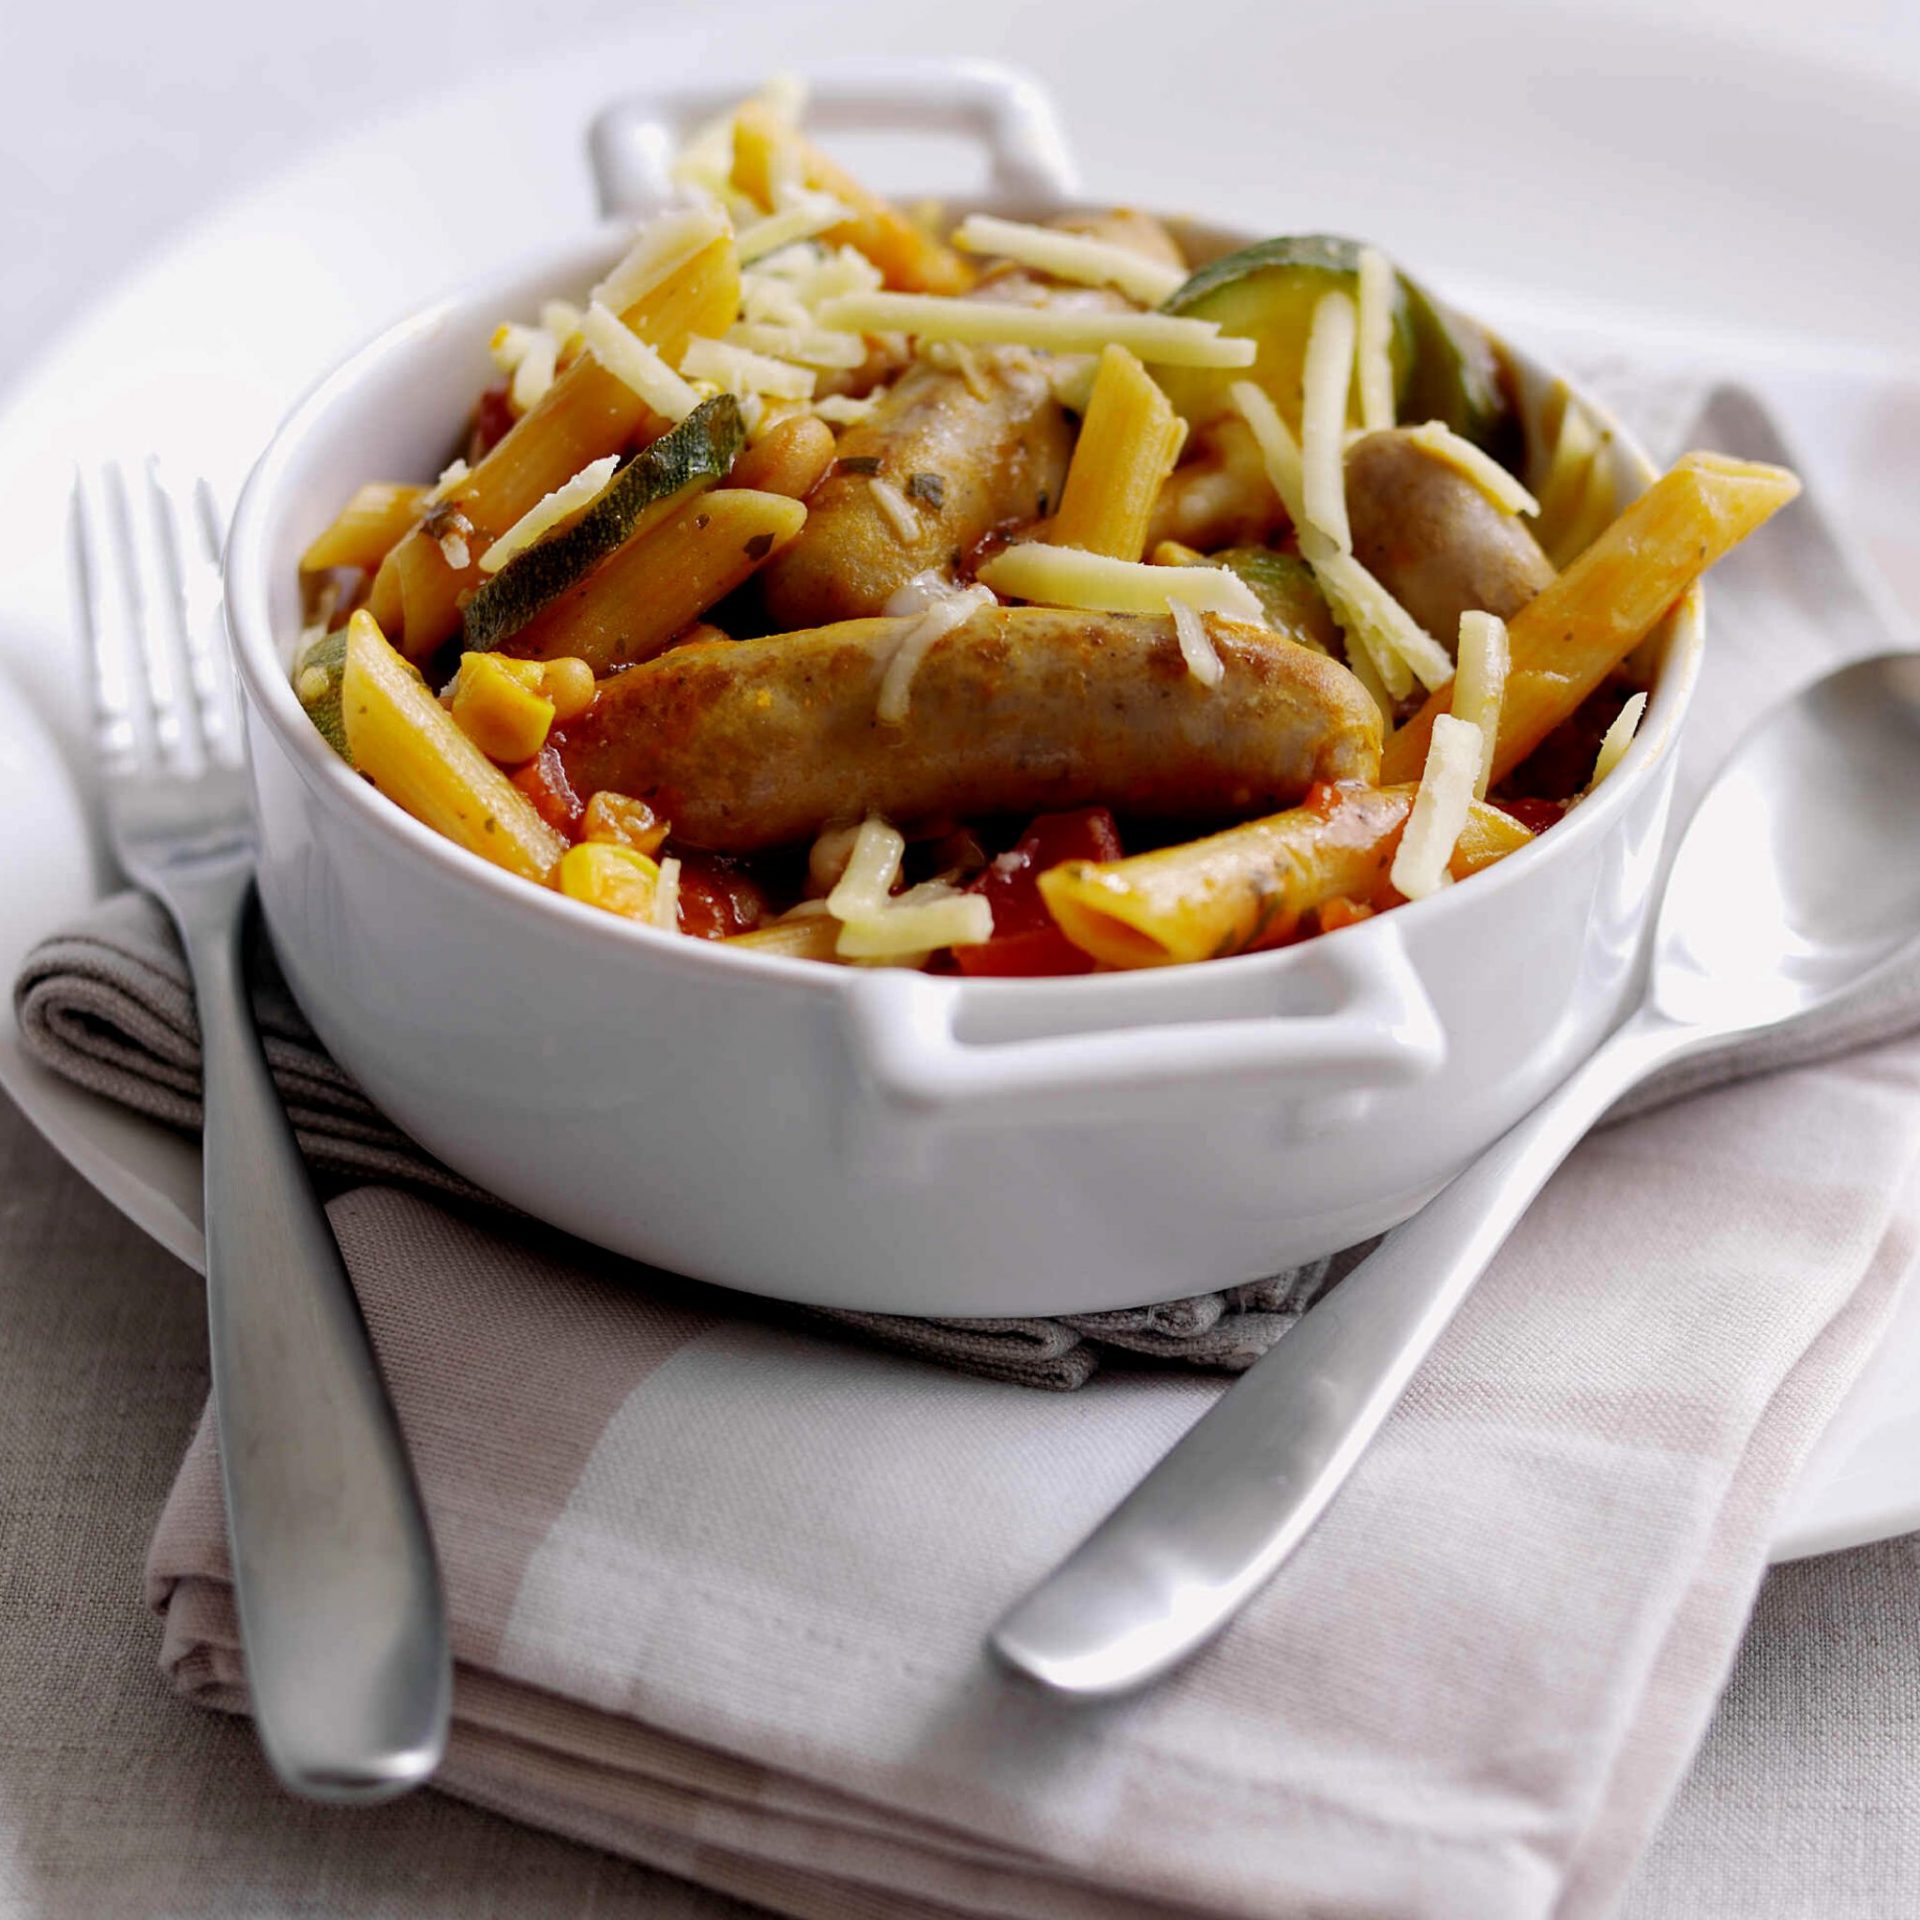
341,1612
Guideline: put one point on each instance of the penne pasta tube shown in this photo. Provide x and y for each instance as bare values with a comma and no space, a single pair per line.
407,744
1253,885
768,152
587,413
1565,641
658,585
366,528
1128,443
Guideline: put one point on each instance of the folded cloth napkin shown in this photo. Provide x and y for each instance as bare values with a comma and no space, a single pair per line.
719,1588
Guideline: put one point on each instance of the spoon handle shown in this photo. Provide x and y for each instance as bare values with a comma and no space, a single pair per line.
1218,1516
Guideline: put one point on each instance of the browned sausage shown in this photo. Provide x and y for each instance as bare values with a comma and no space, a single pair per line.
1022,709
967,464
1434,540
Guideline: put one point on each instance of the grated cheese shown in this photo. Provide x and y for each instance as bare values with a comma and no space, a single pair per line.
1440,808
1070,256
1618,738
934,607
663,246
1196,644
746,372
1067,577
765,301
1324,381
1360,665
546,513
561,318
666,897
897,510
803,214
871,870
917,924
1373,365
842,410
1481,468
1374,622
1480,684
529,354
811,346
1359,600
635,364
455,551
1165,339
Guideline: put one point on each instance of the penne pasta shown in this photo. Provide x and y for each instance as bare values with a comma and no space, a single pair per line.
1128,444
587,413
364,531
1252,885
1565,641
658,585
407,744
768,153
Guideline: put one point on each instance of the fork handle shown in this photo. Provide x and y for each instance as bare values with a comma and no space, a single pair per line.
341,1611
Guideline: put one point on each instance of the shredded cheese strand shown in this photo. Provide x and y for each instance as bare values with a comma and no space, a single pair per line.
1618,738
941,609
1373,365
1161,338
663,246
1480,684
804,215
1067,577
666,897
1196,644
1440,809
547,512
742,371
810,346
1324,381
635,364
1070,256
871,870
1481,468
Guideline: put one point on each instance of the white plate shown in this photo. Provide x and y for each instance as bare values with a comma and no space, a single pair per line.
198,355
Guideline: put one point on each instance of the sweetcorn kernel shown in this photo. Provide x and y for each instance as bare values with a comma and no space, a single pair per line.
497,710
619,820
614,878
568,683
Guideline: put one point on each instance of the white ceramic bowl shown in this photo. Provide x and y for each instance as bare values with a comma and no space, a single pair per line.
878,1139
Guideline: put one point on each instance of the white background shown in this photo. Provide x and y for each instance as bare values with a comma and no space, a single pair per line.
124,121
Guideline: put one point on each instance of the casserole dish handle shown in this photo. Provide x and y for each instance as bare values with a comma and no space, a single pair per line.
632,140
1367,1023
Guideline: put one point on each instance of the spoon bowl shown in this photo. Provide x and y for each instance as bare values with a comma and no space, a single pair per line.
1799,876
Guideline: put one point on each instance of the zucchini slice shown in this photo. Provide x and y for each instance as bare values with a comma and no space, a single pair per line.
695,454
1268,292
317,678
1444,368
1288,593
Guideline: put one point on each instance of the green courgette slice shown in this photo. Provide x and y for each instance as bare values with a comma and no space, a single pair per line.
1443,367
1288,593
695,454
1268,292
317,677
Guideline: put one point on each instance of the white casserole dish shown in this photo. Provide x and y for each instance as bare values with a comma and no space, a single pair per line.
874,1139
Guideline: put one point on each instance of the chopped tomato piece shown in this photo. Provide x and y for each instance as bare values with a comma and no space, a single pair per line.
544,781
1025,940
1044,951
491,419
717,900
1535,815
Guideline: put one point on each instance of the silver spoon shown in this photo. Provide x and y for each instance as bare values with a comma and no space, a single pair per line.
1798,882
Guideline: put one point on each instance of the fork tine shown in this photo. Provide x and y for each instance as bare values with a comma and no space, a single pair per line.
192,609
116,740
212,527
156,684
